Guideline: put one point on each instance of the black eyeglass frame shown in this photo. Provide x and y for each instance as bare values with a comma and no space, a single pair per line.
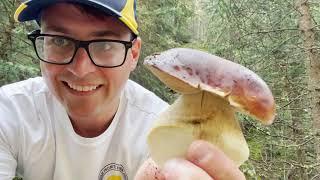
80,44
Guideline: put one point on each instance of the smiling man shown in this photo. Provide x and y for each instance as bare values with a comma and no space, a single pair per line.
83,119
85,68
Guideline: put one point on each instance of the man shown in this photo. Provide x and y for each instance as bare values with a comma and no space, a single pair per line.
84,119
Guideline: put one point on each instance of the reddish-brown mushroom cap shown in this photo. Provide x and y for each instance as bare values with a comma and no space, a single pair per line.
189,71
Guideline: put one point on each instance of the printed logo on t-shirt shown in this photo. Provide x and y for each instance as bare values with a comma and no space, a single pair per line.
113,171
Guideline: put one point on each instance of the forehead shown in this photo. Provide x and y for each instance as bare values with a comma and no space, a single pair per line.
75,19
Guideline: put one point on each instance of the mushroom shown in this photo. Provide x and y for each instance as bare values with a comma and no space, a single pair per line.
212,91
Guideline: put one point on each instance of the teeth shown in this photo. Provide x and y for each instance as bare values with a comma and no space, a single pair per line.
82,88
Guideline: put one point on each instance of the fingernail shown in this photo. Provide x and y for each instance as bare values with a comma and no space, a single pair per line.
170,166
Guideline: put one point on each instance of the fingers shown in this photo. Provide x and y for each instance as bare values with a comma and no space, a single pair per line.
175,169
213,161
204,161
149,171
181,169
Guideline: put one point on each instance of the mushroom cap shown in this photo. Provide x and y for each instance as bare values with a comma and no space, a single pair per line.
189,71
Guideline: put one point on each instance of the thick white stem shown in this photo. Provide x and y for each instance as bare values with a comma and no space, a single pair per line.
197,116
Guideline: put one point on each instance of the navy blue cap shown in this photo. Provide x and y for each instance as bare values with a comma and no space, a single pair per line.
125,10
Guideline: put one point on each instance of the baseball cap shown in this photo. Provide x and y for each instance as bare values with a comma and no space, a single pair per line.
125,10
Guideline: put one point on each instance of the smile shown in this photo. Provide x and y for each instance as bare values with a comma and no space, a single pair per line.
82,88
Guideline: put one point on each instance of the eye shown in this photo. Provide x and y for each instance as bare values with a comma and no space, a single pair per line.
59,41
106,46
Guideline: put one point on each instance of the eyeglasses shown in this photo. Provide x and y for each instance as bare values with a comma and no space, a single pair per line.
61,50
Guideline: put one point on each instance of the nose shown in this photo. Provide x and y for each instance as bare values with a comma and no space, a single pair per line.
81,64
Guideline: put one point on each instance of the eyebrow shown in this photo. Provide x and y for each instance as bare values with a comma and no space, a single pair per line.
57,29
102,33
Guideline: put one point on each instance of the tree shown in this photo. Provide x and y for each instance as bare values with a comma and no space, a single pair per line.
16,53
263,36
163,25
308,31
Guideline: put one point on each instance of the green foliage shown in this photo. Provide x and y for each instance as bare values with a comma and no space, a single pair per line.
163,25
10,72
16,53
249,171
264,36
17,178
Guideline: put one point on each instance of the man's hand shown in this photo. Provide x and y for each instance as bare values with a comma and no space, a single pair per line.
203,161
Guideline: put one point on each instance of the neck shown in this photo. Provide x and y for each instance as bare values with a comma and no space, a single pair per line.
93,126
88,130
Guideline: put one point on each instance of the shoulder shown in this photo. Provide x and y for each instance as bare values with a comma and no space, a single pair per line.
143,99
17,100
20,105
141,107
24,88
25,101
20,95
22,98
16,104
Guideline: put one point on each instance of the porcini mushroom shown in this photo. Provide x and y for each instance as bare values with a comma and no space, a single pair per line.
212,90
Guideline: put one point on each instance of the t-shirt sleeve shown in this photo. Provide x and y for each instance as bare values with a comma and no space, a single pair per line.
8,163
8,129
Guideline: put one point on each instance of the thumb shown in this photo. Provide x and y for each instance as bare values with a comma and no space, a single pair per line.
149,171
181,169
213,161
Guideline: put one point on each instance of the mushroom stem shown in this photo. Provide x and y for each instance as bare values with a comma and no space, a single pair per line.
201,115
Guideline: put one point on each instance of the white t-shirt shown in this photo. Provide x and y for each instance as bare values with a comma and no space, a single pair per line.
37,140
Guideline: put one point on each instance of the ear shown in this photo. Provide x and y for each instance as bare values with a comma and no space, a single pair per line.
135,52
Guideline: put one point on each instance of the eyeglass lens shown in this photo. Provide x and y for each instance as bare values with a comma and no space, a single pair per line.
61,50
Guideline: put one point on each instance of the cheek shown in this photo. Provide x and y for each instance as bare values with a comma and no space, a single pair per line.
45,72
50,74
117,77
50,70
114,77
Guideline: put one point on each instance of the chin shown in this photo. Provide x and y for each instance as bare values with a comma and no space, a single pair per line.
82,111
78,114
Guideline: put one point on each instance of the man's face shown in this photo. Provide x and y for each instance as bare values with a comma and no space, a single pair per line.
85,90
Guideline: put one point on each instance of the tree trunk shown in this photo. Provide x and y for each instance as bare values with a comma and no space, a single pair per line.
307,29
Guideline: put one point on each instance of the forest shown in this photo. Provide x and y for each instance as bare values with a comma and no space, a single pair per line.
277,39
